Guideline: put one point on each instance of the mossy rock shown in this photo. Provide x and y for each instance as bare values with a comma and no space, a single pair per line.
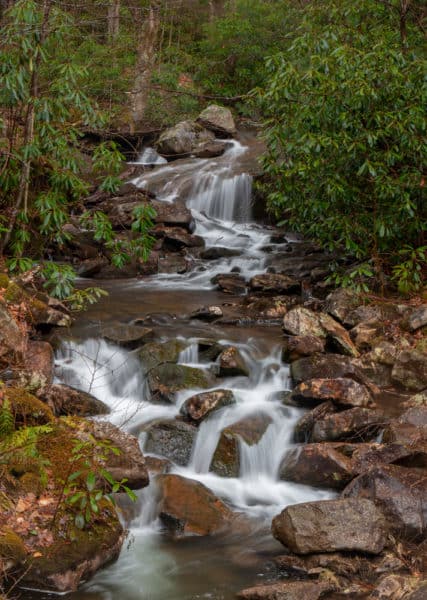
167,379
12,547
27,409
4,283
157,353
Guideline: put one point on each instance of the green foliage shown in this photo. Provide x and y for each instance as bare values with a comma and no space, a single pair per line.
346,135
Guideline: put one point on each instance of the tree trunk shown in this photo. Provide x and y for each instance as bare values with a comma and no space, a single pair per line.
113,19
145,63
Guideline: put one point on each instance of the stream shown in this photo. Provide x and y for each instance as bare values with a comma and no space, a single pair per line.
151,565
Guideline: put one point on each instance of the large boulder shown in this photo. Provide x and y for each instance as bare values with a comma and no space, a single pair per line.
231,363
343,391
409,428
188,508
66,400
171,439
304,426
401,493
319,465
165,380
183,139
217,119
157,353
356,423
128,336
348,524
173,214
297,346
230,283
199,406
326,366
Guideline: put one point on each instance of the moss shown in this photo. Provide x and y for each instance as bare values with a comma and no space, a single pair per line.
12,546
14,293
27,409
31,482
4,280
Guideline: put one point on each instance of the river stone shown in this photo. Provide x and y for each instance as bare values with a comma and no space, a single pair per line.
285,590
66,400
355,423
226,458
341,391
167,379
274,283
171,439
399,492
320,465
209,350
174,214
198,407
349,524
183,138
327,366
418,318
128,336
177,238
230,283
12,339
91,266
217,119
410,370
211,149
172,264
231,363
216,252
367,456
298,346
187,507
304,426
157,353
207,313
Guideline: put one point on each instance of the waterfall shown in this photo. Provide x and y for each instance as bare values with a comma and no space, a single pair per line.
226,199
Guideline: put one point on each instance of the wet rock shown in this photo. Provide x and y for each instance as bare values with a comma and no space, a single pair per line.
210,150
157,466
341,302
326,366
319,465
285,590
156,353
231,363
304,426
416,415
230,283
209,350
128,336
327,526
172,264
177,238
65,400
91,266
171,439
274,283
410,370
207,313
198,407
342,391
374,371
129,463
401,494
187,507
226,459
418,318
182,139
356,423
367,456
217,119
174,214
167,379
409,428
12,339
298,346
216,252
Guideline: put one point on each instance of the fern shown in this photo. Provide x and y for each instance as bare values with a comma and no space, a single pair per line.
23,441
7,420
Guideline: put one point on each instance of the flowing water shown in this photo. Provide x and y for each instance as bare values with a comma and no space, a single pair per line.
151,566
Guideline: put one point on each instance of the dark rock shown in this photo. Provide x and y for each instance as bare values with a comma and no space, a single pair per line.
356,423
285,590
128,336
171,439
218,119
399,587
209,350
167,379
342,391
172,264
298,346
305,424
401,493
326,366
226,459
320,465
410,370
207,313
91,267
327,526
156,353
198,407
189,508
230,283
274,283
65,400
367,456
231,363
177,238
216,252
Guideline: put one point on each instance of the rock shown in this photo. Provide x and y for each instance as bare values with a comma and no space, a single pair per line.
342,391
274,283
27,410
156,353
372,370
65,400
173,214
177,238
337,337
172,440
298,346
419,399
38,364
401,494
12,338
167,379
226,458
157,466
326,366
398,587
216,252
217,119
187,507
231,363
198,407
356,423
410,370
364,314
182,139
304,426
230,283
319,465
367,456
416,415
365,335
209,350
418,318
329,525
172,264
128,336
211,149
91,266
341,302
285,590
207,313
